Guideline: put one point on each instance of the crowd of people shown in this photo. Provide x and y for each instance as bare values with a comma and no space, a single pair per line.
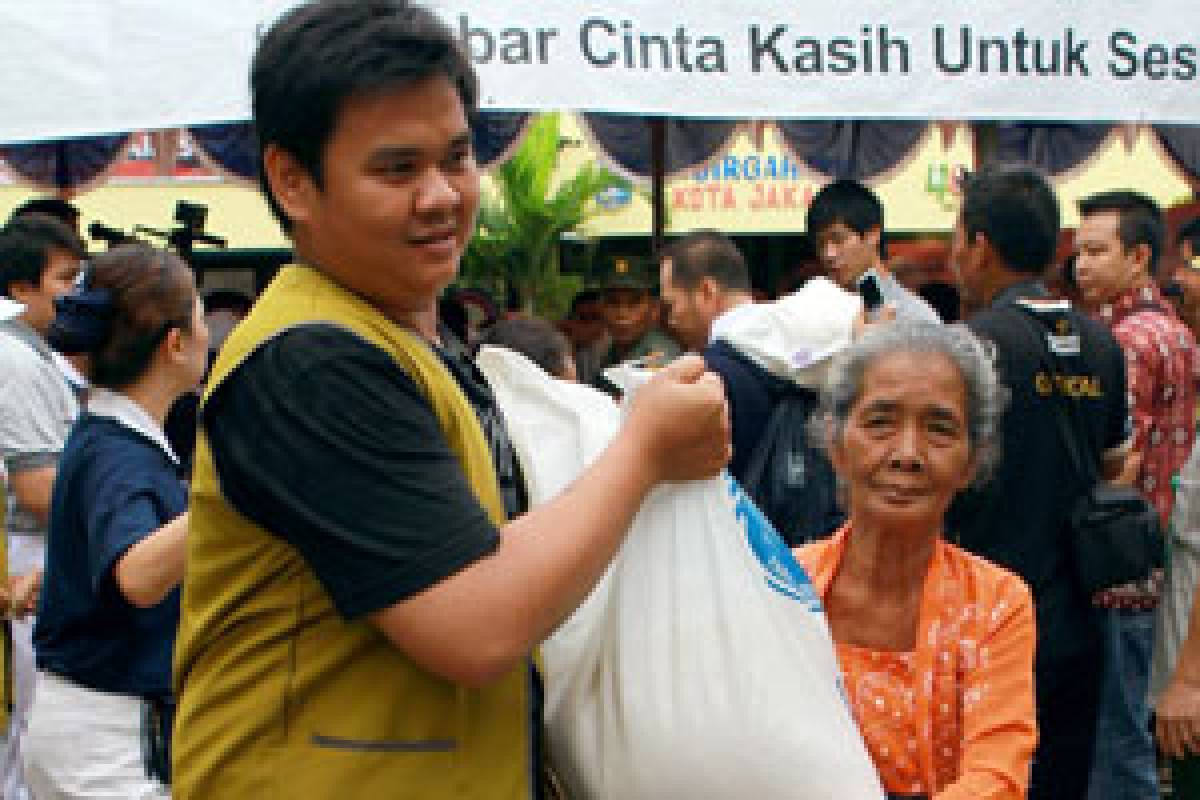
281,546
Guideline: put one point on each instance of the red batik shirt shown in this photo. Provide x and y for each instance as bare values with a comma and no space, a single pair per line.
1161,368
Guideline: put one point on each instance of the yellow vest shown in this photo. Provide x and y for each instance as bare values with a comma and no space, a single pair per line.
280,698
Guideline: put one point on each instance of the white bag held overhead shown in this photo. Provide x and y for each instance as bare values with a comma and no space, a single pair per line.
796,336
702,665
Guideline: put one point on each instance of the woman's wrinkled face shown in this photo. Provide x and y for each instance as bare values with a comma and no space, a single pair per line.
905,451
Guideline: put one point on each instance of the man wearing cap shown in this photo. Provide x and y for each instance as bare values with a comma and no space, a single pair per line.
631,315
39,261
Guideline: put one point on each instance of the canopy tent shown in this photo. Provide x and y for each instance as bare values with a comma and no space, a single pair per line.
845,82
123,65
120,65
852,149
625,141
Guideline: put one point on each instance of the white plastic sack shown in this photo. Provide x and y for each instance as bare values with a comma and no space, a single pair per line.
702,665
796,336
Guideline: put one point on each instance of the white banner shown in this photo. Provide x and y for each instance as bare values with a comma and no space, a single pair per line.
76,67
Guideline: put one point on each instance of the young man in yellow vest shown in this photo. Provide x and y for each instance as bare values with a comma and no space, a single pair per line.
360,606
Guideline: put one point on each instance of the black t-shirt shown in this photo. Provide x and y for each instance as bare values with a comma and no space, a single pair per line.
322,439
1018,518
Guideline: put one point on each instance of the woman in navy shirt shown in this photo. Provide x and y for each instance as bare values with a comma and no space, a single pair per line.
118,525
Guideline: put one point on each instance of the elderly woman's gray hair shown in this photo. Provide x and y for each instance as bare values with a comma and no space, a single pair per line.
986,397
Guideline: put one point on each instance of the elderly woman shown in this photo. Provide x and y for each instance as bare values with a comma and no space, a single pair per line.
936,645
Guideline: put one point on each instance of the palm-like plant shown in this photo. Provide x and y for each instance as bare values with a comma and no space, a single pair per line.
520,224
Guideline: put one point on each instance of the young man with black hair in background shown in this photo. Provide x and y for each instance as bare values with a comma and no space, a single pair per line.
1004,242
363,592
1119,244
56,207
845,222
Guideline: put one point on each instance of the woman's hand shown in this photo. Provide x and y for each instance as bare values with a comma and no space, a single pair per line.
23,592
1178,724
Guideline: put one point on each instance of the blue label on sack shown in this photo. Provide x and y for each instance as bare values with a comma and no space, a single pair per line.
783,573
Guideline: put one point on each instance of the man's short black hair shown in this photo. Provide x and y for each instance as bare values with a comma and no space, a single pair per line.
50,206
848,202
25,245
1141,219
231,300
534,338
1015,208
944,298
708,254
323,53
583,298
1190,232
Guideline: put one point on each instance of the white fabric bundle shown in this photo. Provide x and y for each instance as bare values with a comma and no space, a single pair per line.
702,665
796,336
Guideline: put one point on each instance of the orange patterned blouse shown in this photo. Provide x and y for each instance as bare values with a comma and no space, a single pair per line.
953,719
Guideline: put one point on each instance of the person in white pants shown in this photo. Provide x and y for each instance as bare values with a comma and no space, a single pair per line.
39,262
105,632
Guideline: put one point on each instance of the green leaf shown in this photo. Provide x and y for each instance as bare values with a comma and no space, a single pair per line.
520,228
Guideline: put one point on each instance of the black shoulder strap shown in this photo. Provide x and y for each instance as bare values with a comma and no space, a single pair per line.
779,389
757,464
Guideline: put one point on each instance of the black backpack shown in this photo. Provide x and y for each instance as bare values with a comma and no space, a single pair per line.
790,480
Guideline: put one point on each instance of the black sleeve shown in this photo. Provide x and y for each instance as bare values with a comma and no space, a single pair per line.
322,439
1119,429
749,403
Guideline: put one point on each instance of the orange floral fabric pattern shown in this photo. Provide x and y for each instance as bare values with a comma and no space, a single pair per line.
954,718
